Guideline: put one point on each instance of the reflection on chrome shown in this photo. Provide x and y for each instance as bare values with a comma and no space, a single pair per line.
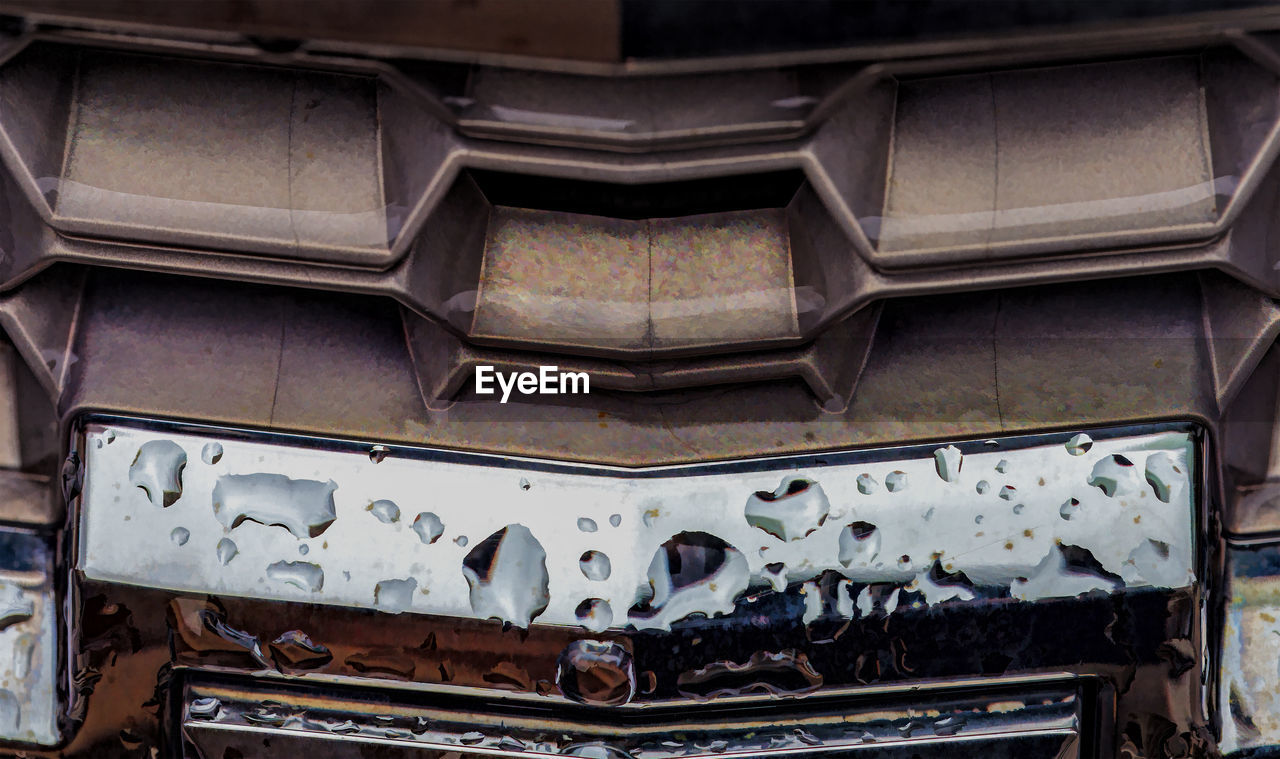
28,640
672,544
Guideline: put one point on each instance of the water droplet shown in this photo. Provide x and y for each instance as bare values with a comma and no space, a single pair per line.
949,725
211,453
507,573
948,462
596,672
207,708
10,713
692,573
461,540
807,738
1114,475
776,575
227,551
938,585
428,526
390,662
812,602
109,436
303,507
23,649
524,484
471,738
586,524
1018,507
983,487
202,625
304,549
793,510
786,672
346,727
594,565
1152,560
378,453
595,614
295,650
895,481
157,469
395,596
507,743
867,484
300,574
1008,492
1064,572
859,543
1003,466
179,535
1079,444
615,519
650,517
1069,508
977,519
1163,475
15,606
386,511
595,750
905,730
878,598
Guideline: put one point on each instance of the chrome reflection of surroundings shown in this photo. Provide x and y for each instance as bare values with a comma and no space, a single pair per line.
1250,666
28,641
1041,719
297,520
1143,147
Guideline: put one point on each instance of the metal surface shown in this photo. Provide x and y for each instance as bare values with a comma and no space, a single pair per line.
1214,105
1038,719
1051,153
716,279
1130,351
150,156
29,641
1119,268
1246,684
998,523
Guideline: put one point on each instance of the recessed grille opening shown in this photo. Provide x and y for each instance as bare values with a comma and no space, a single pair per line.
624,269
1099,153
660,200
211,153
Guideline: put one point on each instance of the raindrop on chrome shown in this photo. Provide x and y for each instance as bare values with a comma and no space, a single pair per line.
300,574
211,453
428,526
595,565
157,470
227,551
386,511
1079,444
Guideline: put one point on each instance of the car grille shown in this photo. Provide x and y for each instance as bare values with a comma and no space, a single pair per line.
1003,314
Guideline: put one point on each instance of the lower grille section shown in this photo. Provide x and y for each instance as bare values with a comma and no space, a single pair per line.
344,597
1024,720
